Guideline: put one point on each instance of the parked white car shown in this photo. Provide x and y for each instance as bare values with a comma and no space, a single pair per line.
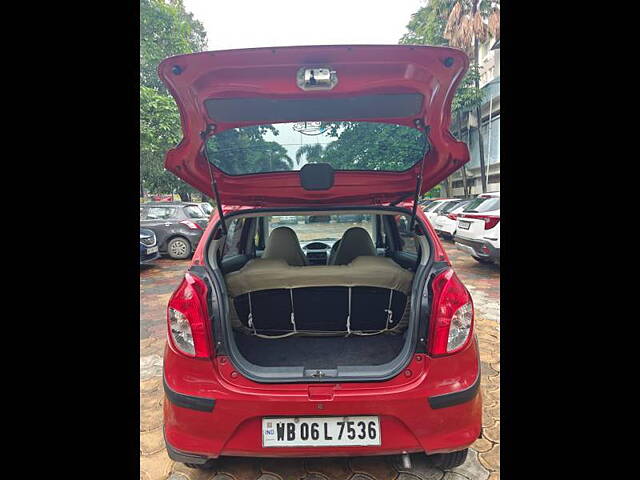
432,210
446,223
478,228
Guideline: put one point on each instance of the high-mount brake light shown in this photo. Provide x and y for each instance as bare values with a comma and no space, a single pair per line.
187,318
451,322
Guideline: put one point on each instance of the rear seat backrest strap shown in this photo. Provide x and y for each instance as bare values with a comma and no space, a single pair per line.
250,317
293,312
349,315
389,311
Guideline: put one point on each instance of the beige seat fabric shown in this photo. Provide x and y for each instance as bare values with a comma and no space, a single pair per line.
283,244
356,242
367,271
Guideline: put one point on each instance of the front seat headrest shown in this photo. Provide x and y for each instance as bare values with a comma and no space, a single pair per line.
355,242
283,243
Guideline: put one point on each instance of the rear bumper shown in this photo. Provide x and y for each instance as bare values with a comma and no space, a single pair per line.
477,248
440,412
444,230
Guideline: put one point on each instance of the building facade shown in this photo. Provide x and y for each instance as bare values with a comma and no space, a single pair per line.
464,126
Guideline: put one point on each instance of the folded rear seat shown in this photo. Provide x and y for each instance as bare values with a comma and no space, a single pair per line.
272,298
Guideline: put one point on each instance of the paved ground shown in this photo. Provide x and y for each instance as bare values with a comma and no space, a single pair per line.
157,282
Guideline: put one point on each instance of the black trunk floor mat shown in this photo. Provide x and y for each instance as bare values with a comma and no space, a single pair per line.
319,352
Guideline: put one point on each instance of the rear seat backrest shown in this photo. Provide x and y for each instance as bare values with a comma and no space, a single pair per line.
283,243
278,298
355,242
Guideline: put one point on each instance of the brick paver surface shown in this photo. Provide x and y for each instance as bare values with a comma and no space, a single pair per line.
158,281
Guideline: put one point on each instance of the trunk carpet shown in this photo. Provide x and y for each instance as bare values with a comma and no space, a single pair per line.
319,352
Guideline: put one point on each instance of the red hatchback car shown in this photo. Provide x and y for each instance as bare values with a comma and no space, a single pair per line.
320,315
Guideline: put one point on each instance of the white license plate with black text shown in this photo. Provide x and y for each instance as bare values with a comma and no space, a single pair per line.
152,250
320,431
464,225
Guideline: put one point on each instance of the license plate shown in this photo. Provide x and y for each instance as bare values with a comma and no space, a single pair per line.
464,225
320,431
152,250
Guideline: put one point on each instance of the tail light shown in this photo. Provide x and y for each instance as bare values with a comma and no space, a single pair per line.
191,225
187,318
452,216
451,322
490,221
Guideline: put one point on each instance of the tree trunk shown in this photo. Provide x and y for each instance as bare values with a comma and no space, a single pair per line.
464,168
468,143
185,196
445,188
476,54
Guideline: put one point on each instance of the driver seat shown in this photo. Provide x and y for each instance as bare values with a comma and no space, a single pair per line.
283,244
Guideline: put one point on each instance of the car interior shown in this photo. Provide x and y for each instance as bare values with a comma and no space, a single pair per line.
339,297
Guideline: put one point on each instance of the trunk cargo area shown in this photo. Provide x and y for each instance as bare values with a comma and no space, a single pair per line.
319,352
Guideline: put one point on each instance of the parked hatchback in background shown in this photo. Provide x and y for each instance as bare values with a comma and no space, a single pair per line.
478,228
368,350
433,210
446,222
148,248
178,226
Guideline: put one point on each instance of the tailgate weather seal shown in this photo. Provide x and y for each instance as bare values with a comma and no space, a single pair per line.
455,398
188,401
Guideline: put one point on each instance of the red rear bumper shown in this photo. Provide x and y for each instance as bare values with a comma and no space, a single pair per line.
436,408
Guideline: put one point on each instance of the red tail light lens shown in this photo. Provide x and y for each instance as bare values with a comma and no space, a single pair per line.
490,221
451,322
191,225
452,216
187,318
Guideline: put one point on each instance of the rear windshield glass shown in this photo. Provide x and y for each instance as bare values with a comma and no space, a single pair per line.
432,206
322,227
343,145
193,211
449,206
206,208
482,205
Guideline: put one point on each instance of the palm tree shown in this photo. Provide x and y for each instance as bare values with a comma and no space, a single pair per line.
312,152
465,29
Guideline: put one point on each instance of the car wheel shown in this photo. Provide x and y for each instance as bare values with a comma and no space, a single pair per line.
208,465
445,461
179,248
484,261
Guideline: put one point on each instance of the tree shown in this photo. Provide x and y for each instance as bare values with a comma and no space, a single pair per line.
166,29
455,23
371,146
244,150
158,133
312,152
465,28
